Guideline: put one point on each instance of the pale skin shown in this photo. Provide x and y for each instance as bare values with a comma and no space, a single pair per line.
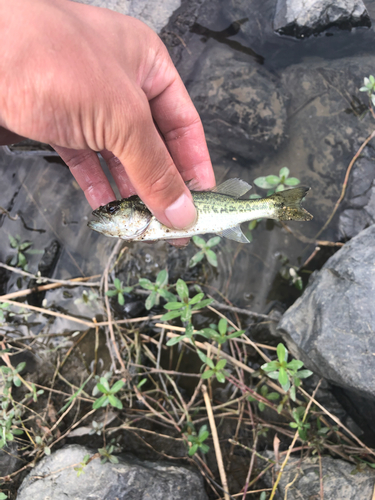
87,80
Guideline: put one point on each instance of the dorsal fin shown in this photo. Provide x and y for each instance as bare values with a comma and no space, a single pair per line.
232,187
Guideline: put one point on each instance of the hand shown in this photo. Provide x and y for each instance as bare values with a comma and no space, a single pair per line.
86,79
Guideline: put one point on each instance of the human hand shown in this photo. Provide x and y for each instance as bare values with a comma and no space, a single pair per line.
86,79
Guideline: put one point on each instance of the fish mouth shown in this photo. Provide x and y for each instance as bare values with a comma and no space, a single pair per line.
99,215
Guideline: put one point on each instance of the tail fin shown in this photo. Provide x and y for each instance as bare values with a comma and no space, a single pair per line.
288,204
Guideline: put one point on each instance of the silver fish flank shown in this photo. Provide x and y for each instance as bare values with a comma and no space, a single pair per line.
219,211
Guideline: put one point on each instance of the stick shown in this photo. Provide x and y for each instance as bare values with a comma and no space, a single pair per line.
215,437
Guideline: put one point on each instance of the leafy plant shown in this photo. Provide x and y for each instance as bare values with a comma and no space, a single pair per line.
214,370
206,250
158,289
275,183
263,391
80,468
299,423
119,291
8,425
87,299
289,374
19,259
369,87
11,375
106,454
221,334
46,449
197,441
183,309
290,273
108,394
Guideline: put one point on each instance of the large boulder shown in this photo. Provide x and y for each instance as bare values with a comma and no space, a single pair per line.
301,480
330,327
301,19
55,477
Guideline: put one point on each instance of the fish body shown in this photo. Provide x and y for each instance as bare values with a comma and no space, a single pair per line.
219,211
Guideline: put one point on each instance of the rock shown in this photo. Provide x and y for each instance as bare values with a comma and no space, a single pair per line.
302,19
240,104
9,459
330,327
130,479
155,13
338,480
360,197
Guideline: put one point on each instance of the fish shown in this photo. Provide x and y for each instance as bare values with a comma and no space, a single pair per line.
219,211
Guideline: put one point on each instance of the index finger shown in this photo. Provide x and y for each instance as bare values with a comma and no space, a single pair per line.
182,130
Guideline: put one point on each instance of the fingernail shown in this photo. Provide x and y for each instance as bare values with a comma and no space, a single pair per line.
182,213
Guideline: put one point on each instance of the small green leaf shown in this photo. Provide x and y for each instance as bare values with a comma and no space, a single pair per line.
284,172
172,306
212,242
146,284
283,377
150,301
220,377
272,180
207,374
117,283
121,299
111,293
174,340
211,257
162,278
197,298
261,406
295,364
100,402
271,366
170,315
182,289
282,353
199,242
273,396
196,258
202,356
292,181
115,402
186,314
304,373
117,386
193,449
204,448
200,305
221,364
262,183
222,326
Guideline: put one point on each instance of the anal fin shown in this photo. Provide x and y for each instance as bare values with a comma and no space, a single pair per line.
235,234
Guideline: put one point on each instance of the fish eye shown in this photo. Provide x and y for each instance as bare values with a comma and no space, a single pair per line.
112,207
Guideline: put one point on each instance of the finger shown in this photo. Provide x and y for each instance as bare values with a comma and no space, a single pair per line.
179,243
85,166
119,174
182,129
151,169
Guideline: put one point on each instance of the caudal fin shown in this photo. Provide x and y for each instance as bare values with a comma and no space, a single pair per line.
288,204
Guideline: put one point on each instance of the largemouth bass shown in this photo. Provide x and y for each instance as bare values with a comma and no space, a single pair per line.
220,211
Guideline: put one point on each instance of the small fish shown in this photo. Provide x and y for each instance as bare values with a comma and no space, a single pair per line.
220,211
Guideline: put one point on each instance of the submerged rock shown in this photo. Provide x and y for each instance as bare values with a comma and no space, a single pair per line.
55,477
339,482
331,326
240,104
310,17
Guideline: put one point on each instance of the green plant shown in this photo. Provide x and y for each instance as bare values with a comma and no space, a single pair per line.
213,370
80,468
11,375
275,183
205,250
19,259
369,87
197,441
106,454
299,423
289,374
46,449
263,391
34,393
8,424
119,291
183,309
158,289
290,273
108,396
221,334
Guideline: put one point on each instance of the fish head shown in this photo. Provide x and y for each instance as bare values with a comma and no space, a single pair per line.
126,219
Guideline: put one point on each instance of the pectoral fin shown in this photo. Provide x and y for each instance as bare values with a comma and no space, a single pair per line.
235,234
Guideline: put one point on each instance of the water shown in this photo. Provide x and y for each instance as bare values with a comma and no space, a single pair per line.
317,79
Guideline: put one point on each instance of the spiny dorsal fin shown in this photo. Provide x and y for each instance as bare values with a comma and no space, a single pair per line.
232,187
235,234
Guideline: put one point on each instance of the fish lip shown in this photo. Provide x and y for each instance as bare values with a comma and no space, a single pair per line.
99,215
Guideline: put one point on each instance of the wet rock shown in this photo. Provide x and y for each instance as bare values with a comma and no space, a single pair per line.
155,13
9,459
129,479
331,326
240,104
338,480
302,19
360,198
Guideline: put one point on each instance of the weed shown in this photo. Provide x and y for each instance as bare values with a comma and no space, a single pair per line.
108,394
157,289
263,391
80,468
213,370
119,291
88,298
197,441
289,374
299,424
221,334
275,183
369,87
20,259
206,250
107,454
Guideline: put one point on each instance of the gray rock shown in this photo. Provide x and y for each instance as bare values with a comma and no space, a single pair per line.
130,479
338,482
330,327
240,104
301,19
360,198
155,13
9,459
